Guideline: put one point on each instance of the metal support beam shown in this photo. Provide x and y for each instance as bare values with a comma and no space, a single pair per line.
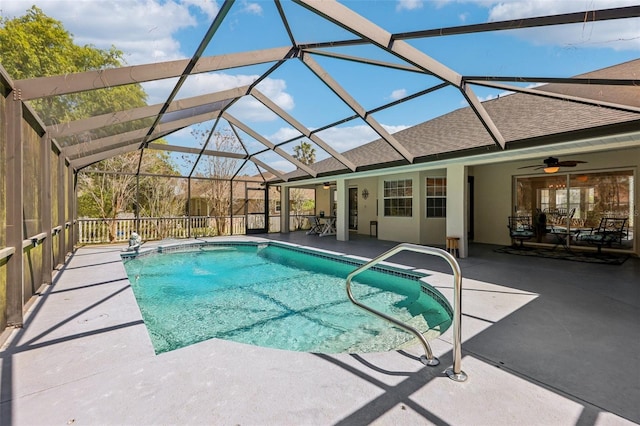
268,144
285,211
189,207
302,129
62,252
356,24
35,88
193,103
72,195
268,168
482,114
541,93
45,209
187,150
14,236
91,159
356,107
134,136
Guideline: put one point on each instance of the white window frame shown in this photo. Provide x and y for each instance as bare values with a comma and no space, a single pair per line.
398,198
436,192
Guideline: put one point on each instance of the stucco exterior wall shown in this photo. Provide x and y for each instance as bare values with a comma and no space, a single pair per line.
404,229
433,230
323,203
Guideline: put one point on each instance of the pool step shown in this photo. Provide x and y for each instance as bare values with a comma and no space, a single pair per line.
390,338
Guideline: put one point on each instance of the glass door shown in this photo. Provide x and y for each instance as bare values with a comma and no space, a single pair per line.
353,208
574,205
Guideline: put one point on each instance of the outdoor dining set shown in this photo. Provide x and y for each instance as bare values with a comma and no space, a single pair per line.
322,225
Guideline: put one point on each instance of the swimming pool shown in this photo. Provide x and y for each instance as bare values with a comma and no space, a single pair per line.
278,296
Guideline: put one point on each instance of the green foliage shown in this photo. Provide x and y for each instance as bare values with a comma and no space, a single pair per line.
35,45
305,153
309,205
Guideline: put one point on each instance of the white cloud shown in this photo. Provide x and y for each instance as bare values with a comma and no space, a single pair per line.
274,89
247,109
398,94
501,10
345,138
208,7
283,134
409,4
394,129
621,34
143,30
252,8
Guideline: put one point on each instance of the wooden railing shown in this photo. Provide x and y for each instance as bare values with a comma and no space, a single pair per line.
107,230
92,231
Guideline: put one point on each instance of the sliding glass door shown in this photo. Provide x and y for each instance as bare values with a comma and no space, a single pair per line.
577,203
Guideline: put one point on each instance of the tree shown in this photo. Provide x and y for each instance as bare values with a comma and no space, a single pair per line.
300,201
216,173
35,45
305,153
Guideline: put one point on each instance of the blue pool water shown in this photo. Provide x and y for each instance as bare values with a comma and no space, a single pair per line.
276,297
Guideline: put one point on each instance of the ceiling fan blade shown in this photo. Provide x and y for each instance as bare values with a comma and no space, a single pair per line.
569,163
528,167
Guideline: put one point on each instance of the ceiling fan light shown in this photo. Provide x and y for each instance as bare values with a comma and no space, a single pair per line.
551,169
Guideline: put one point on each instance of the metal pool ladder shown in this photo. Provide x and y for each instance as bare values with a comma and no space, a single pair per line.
455,372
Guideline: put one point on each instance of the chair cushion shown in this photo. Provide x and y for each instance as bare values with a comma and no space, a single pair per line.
522,234
598,238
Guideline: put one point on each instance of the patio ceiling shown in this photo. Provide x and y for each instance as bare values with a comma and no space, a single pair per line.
348,46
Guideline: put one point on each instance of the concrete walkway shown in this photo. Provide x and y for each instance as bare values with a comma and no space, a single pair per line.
545,342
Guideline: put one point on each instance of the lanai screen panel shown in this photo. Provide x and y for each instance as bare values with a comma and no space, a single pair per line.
54,174
32,208
3,185
3,217
238,207
310,60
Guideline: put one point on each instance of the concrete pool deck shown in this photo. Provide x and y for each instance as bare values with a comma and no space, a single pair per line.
545,342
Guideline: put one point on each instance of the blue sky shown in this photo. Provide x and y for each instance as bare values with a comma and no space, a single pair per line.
150,31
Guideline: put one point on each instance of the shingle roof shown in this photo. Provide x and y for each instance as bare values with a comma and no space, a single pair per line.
519,117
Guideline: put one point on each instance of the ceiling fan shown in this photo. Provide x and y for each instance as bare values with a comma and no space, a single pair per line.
552,165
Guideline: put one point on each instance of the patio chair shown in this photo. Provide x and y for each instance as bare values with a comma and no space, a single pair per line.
610,231
557,218
316,226
520,229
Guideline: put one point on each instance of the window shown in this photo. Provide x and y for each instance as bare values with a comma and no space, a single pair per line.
398,198
436,197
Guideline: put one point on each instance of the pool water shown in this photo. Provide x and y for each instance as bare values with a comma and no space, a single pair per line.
276,297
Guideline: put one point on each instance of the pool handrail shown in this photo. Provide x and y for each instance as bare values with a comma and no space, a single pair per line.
455,373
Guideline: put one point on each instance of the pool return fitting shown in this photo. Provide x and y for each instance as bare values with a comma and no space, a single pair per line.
455,373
